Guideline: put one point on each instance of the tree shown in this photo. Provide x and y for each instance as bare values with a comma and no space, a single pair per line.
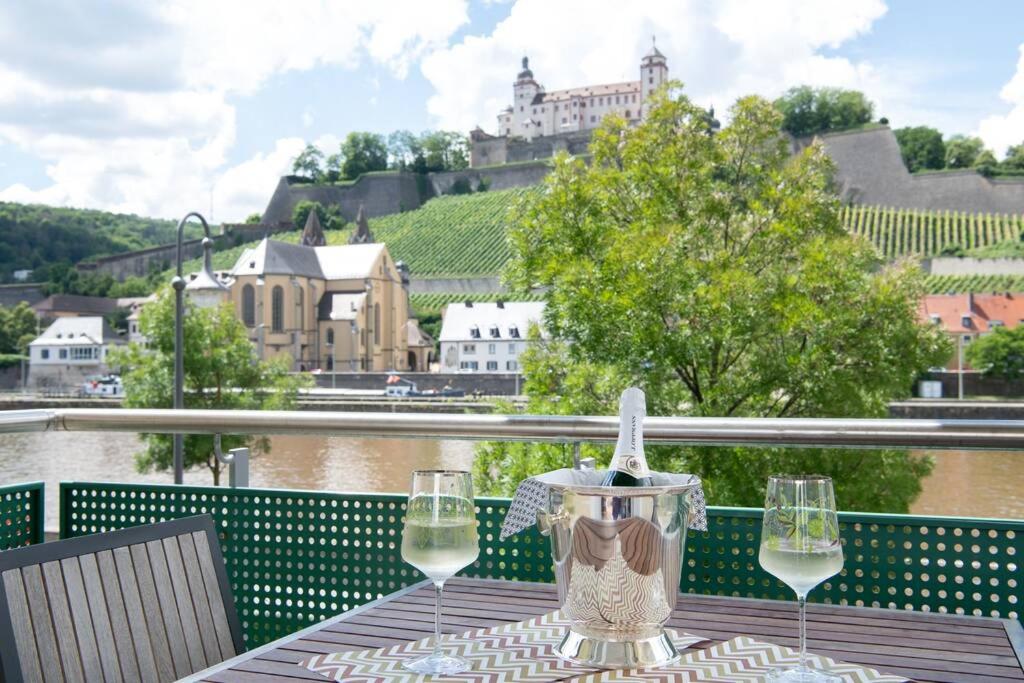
963,151
363,153
999,353
1014,158
714,271
18,327
986,163
301,212
922,148
221,372
806,110
405,151
445,150
308,164
333,167
254,218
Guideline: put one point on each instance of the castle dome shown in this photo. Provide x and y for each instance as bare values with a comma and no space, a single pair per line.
653,55
525,74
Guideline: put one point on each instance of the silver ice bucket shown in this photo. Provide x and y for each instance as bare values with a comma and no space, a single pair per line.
618,553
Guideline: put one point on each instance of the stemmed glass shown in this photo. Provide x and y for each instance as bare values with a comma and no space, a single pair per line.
800,545
439,539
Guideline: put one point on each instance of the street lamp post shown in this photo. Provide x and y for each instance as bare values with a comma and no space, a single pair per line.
202,288
331,366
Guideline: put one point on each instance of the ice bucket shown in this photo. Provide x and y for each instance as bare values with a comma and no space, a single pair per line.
618,553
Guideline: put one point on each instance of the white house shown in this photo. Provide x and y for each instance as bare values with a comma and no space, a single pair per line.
486,337
70,350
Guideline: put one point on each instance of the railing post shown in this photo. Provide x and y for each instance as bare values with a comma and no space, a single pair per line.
238,468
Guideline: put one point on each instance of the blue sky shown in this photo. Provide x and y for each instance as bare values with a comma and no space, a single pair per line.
157,108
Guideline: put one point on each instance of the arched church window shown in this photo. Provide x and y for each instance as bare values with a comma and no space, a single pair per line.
277,309
330,335
249,305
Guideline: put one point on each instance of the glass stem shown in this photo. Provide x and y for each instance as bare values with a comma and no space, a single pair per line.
802,601
438,587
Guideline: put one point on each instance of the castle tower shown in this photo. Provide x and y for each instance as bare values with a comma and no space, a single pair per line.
653,73
524,91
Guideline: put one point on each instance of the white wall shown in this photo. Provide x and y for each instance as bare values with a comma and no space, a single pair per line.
502,354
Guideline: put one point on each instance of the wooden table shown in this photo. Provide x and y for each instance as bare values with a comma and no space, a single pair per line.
921,646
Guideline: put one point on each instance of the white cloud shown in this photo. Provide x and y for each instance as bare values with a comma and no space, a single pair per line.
1002,131
129,105
720,50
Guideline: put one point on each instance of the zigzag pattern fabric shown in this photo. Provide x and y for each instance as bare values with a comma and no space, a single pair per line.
524,652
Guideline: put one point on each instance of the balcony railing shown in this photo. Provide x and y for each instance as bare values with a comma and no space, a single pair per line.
295,557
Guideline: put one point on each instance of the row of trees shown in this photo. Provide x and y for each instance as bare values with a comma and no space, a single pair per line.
18,326
808,111
923,148
362,152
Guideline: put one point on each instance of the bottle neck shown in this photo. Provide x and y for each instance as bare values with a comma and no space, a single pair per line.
629,451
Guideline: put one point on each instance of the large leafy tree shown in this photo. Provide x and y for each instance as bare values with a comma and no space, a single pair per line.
222,371
713,270
806,110
362,153
309,164
18,327
1014,158
999,354
922,148
963,151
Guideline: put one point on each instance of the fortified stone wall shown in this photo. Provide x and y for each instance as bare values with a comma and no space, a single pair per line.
12,295
951,265
495,178
379,193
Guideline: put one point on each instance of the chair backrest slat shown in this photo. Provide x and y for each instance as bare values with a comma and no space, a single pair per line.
141,604
78,606
21,623
63,626
106,643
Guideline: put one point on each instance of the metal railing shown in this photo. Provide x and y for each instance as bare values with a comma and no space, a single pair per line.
809,432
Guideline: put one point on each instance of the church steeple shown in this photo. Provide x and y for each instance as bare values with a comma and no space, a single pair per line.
362,235
313,232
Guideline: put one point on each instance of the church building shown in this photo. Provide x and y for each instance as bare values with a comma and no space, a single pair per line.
343,308
535,112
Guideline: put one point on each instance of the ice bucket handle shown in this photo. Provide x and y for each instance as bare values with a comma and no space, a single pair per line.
546,520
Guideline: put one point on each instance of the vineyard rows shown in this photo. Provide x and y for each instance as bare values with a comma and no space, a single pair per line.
908,232
979,284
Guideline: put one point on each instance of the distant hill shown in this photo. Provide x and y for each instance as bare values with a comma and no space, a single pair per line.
33,236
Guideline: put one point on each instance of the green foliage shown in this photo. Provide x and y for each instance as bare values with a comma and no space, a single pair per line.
986,163
221,372
330,216
910,232
9,359
309,164
921,147
714,272
441,150
806,110
363,153
1014,158
962,284
963,151
37,237
999,353
254,218
18,327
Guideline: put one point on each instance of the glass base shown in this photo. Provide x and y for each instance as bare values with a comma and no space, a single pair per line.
801,675
438,664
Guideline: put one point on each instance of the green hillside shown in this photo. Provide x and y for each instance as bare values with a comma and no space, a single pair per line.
34,236
978,284
431,304
906,232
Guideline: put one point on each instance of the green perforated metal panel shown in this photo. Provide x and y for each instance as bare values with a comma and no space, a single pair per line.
297,557
21,515
941,564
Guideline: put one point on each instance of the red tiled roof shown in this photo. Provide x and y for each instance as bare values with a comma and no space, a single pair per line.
980,310
629,87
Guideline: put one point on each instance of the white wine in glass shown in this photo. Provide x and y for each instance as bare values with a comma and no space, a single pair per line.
439,539
800,545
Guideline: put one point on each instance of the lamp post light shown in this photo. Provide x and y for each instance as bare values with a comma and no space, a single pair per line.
331,365
205,290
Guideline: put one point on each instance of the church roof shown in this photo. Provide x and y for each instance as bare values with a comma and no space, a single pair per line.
415,336
343,262
313,233
362,234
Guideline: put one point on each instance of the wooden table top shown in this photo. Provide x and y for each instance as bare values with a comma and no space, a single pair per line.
921,646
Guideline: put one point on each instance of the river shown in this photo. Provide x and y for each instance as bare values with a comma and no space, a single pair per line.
964,483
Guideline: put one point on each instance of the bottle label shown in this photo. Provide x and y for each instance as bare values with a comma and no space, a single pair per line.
633,465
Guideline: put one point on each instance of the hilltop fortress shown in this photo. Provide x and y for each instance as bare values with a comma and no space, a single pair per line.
539,124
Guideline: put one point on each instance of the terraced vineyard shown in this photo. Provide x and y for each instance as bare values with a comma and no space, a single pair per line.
907,232
424,304
962,284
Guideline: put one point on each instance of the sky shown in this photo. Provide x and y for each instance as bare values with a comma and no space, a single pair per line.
190,105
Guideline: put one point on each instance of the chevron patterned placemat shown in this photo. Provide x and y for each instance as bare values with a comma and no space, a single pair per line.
523,651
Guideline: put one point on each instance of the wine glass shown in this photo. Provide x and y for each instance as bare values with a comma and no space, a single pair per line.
800,545
440,539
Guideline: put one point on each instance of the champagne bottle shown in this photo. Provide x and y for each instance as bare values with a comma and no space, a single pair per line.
629,466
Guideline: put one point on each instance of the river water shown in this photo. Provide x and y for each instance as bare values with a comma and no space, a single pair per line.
964,483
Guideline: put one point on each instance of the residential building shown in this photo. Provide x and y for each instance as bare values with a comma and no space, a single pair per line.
71,349
63,305
965,317
487,337
339,308
536,112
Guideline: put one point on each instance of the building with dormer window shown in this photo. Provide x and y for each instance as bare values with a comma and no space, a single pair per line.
487,337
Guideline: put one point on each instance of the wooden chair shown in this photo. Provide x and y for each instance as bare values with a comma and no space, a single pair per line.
150,603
